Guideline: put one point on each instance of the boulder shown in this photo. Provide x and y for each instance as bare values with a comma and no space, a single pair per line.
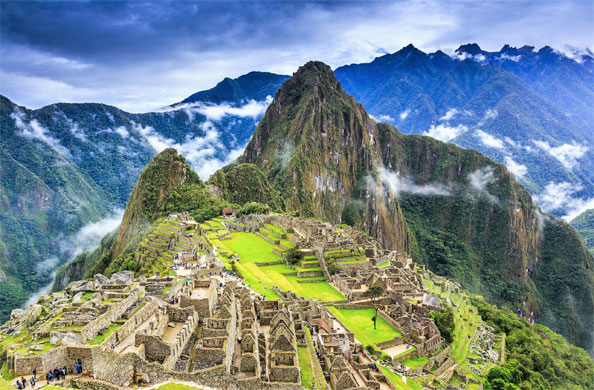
77,297
101,280
37,348
123,277
66,338
16,314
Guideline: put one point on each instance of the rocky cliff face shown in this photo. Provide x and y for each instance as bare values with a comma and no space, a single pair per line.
451,208
318,147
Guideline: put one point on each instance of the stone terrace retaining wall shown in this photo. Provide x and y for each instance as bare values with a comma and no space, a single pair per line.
441,369
130,325
181,340
113,314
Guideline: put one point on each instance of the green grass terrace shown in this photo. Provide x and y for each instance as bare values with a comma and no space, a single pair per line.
359,321
252,249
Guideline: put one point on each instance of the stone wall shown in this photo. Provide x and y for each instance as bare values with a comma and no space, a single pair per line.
439,358
441,369
130,326
114,368
181,340
155,349
390,343
112,314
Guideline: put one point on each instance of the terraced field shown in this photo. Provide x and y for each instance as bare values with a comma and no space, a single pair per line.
359,322
262,267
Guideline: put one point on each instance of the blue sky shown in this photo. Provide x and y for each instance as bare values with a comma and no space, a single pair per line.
143,55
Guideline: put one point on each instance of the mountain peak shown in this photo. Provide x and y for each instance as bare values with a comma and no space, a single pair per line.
313,73
470,48
166,172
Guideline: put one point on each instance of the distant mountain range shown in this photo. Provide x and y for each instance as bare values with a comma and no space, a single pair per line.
65,166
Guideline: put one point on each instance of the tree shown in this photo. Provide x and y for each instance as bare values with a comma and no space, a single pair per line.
374,292
293,256
444,321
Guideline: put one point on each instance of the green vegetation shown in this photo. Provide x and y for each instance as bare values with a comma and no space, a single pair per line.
359,322
415,362
444,320
584,224
373,293
397,380
536,358
245,183
253,249
100,338
305,368
293,256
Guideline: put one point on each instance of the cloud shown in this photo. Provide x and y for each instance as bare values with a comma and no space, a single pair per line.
397,184
567,154
404,114
449,115
561,197
215,112
490,114
489,140
34,130
445,132
382,118
284,153
479,58
206,154
519,170
504,57
147,54
90,235
479,180
122,131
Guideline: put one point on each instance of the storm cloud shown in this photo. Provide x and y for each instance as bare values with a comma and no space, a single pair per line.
144,55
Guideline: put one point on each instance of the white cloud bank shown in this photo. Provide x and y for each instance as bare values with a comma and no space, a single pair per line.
567,154
398,184
215,112
449,115
205,154
478,182
445,132
34,130
560,196
382,118
404,114
519,170
489,140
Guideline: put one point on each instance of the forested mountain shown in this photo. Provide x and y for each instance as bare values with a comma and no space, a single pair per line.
530,110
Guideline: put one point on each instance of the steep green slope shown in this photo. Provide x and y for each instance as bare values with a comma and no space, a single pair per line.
535,357
45,198
453,209
584,224
243,183
167,185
